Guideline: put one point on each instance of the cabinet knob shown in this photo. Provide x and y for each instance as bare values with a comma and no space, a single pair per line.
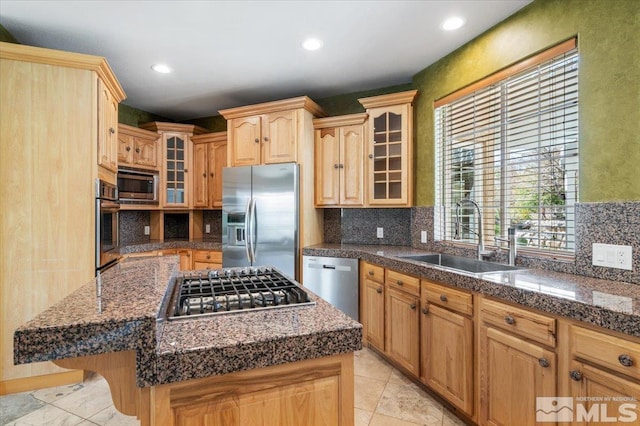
509,320
370,155
413,306
266,139
208,256
625,360
400,282
443,298
204,175
371,273
211,174
425,310
185,170
138,150
575,375
544,363
335,166
342,166
256,140
379,290
112,130
128,148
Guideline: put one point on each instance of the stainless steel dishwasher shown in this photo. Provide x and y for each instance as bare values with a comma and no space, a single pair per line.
334,279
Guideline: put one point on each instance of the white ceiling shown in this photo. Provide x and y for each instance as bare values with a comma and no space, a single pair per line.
232,53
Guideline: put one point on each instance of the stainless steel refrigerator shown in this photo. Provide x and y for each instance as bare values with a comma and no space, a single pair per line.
260,216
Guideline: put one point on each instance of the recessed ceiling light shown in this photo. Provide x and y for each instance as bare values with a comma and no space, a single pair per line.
161,68
452,23
312,44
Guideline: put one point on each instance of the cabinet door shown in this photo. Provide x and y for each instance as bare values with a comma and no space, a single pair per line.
176,158
185,260
327,166
601,397
244,141
125,149
447,355
513,373
200,175
373,311
402,332
351,165
389,160
217,161
145,153
279,137
107,125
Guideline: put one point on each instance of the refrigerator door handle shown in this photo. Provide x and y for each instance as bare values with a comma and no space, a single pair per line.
247,241
253,236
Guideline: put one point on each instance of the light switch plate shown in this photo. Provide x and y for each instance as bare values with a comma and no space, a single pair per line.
147,230
207,229
612,256
423,236
380,232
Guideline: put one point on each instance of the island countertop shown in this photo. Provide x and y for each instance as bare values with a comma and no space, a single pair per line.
124,315
609,304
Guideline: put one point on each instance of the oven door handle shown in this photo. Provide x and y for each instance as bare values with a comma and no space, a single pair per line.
247,230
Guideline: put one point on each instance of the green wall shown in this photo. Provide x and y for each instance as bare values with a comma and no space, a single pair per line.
133,116
6,36
608,41
216,123
348,103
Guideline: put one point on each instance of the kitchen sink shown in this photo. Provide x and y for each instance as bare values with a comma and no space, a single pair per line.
460,263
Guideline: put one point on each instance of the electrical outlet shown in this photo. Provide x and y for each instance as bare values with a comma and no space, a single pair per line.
612,256
207,229
380,232
147,230
423,237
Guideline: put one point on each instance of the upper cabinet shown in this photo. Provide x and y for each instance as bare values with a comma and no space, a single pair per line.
389,149
175,177
209,158
339,160
107,128
138,147
268,133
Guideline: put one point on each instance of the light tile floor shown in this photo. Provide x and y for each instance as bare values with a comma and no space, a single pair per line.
383,397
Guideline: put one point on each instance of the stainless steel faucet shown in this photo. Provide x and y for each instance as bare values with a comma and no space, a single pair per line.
458,226
511,241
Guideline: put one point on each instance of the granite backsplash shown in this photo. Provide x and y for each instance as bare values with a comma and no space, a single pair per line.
132,223
608,223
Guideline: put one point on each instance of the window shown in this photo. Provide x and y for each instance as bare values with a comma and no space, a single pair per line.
510,143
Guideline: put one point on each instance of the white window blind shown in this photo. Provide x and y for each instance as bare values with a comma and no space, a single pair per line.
512,147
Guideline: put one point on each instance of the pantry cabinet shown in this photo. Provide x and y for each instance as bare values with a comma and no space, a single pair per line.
176,183
339,160
209,158
446,339
389,149
138,148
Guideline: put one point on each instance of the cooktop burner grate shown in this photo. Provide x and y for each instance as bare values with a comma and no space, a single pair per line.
235,290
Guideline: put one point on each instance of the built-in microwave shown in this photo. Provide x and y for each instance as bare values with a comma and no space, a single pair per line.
137,186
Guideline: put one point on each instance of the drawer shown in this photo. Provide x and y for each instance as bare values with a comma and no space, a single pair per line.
527,324
447,297
604,350
403,282
373,272
207,256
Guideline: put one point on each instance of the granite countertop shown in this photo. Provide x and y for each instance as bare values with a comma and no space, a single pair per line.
127,316
171,244
609,304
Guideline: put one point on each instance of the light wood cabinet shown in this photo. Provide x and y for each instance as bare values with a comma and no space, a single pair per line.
513,370
209,158
207,259
389,148
138,148
50,108
446,340
107,128
339,160
402,320
176,183
372,300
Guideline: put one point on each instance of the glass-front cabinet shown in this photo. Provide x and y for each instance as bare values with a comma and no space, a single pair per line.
389,172
176,169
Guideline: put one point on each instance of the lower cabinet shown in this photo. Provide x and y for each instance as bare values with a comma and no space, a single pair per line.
189,259
446,340
372,302
207,259
402,334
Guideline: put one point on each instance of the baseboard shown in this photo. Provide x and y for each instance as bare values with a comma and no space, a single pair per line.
38,382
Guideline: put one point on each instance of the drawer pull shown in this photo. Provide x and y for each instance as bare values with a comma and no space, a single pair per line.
413,306
575,375
379,290
443,298
399,282
208,256
371,272
625,360
425,310
544,363
509,320
256,140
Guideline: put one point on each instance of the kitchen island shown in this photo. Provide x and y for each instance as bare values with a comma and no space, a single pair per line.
292,365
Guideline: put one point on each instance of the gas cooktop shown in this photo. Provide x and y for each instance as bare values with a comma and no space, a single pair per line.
234,290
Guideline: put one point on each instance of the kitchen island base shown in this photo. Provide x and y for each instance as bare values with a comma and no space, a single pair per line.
310,392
